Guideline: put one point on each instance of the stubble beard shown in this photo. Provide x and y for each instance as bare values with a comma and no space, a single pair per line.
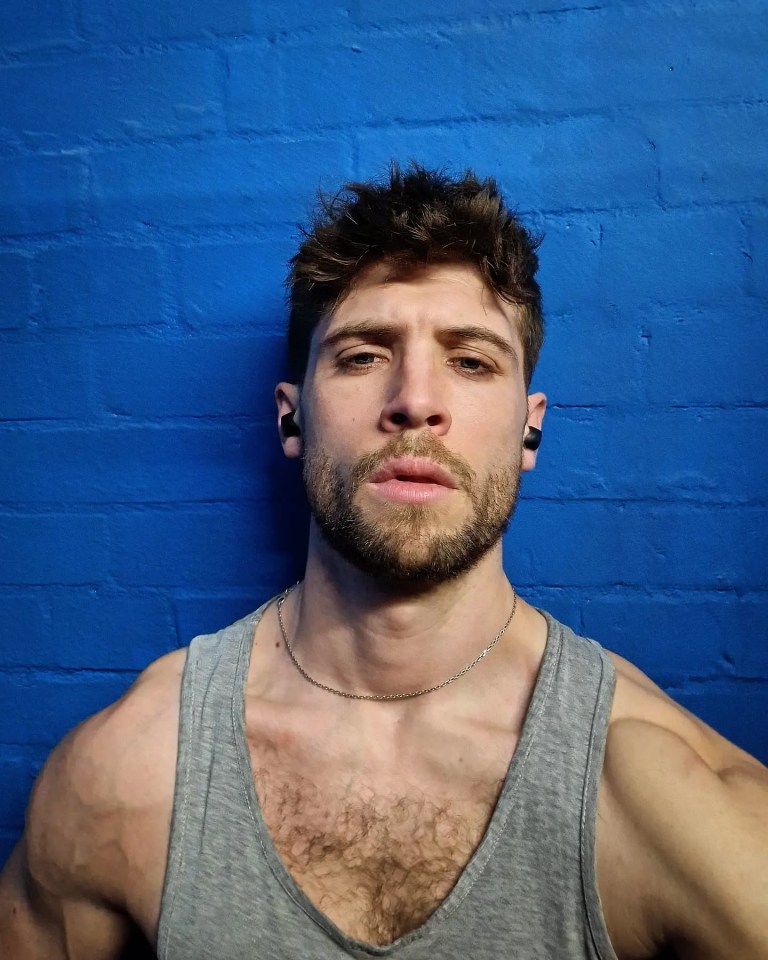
409,545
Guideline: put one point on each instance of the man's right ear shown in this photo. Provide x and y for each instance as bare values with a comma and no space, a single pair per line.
287,397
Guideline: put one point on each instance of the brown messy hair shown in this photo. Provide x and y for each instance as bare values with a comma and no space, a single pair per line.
414,218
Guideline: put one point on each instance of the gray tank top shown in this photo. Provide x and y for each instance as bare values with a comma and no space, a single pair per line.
528,892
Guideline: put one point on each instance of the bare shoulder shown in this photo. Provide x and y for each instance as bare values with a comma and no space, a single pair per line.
119,760
98,820
640,700
693,808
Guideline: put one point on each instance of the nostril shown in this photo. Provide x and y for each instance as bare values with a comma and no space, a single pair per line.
399,418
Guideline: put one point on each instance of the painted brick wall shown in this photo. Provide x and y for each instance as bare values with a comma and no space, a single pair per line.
154,162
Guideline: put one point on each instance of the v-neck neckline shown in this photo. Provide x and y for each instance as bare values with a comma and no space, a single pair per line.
480,856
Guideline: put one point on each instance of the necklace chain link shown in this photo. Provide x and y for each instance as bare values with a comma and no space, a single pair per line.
386,696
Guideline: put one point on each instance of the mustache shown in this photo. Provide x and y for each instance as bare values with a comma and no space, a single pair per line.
415,445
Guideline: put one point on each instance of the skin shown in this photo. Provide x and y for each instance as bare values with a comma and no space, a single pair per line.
682,828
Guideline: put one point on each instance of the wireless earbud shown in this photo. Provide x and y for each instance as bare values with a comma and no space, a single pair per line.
532,438
288,426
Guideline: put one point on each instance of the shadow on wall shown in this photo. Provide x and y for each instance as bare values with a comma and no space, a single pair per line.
285,526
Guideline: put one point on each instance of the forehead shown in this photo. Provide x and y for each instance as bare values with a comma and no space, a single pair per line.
439,293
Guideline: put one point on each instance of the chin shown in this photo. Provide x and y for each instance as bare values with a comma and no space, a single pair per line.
402,556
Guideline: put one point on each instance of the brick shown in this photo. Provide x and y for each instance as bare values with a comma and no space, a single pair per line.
85,628
566,164
25,627
18,768
745,634
79,628
48,549
696,357
171,94
592,358
98,285
735,709
26,26
656,545
570,164
652,454
197,376
41,194
384,11
701,546
44,380
234,284
563,603
445,146
158,463
375,88
16,284
301,15
569,266
204,548
668,637
215,183
41,707
672,256
207,614
111,20
758,258
612,55
694,166
255,96
102,630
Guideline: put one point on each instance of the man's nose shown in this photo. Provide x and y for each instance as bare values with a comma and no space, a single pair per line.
417,398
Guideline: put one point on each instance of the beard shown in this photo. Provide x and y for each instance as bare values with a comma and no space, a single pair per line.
409,546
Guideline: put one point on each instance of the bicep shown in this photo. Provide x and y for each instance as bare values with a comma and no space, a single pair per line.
705,834
66,891
36,924
25,933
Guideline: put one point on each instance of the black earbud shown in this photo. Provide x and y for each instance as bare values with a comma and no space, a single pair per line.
288,426
532,438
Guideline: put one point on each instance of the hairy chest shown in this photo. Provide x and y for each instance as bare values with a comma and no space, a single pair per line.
377,861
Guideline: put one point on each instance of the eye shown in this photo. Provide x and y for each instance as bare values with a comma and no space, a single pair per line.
361,360
473,366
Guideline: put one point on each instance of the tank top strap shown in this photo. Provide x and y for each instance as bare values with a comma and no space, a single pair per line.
207,755
546,813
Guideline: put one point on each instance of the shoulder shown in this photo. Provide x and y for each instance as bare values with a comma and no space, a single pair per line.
643,713
693,807
105,793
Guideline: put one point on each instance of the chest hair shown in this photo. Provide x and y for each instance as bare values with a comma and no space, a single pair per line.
378,864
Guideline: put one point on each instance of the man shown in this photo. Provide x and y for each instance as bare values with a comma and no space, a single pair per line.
399,755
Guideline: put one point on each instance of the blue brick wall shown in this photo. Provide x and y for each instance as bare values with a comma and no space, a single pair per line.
154,162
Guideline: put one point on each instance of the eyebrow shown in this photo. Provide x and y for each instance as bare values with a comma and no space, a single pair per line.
385,333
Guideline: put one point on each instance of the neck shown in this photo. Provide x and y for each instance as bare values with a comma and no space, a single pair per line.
358,635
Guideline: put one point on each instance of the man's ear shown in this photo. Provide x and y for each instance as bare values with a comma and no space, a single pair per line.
537,404
287,399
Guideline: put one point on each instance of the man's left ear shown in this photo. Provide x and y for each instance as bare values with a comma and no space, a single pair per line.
287,398
537,404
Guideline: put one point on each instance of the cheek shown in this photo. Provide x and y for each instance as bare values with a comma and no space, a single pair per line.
493,421
347,412
335,433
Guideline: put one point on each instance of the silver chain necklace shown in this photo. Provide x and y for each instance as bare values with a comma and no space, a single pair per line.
386,696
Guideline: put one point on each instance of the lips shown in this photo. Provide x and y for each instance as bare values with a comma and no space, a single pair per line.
412,470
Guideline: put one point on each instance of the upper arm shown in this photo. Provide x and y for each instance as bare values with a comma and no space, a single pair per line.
89,868
694,808
46,913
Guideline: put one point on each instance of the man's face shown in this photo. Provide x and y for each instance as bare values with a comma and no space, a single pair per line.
412,416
